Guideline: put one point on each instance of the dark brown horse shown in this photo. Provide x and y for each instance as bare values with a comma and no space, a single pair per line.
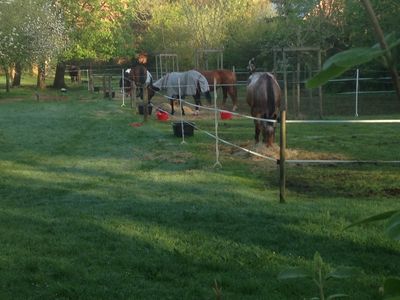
142,78
264,96
225,79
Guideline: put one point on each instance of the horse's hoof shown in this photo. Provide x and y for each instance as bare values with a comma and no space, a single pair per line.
234,108
196,113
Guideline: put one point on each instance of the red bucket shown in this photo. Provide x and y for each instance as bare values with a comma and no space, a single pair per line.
162,116
226,115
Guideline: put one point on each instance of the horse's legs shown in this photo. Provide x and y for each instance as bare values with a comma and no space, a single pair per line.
171,102
257,126
231,90
150,94
197,101
181,104
139,92
225,95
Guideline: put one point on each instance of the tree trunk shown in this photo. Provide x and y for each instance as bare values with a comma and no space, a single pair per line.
17,76
41,78
7,73
59,81
91,81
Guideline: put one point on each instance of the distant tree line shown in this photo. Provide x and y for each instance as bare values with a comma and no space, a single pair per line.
64,32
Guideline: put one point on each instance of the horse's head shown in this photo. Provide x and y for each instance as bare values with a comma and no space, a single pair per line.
139,75
208,96
270,135
203,87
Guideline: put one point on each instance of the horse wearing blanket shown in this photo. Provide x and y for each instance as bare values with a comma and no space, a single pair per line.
189,83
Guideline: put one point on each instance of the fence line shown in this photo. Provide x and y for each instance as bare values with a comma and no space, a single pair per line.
382,121
214,136
282,158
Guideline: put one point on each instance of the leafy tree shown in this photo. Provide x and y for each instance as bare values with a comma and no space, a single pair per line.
247,31
183,26
161,26
343,61
31,31
98,31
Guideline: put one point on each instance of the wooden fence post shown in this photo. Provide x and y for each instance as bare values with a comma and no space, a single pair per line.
104,86
133,95
109,88
145,103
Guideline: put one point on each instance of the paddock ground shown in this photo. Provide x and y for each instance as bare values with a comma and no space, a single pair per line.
94,208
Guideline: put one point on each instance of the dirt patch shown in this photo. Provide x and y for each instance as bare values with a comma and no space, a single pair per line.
190,111
12,100
274,152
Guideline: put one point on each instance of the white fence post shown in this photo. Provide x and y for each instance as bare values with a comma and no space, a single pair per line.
357,87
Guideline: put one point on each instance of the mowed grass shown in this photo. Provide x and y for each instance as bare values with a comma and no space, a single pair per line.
92,208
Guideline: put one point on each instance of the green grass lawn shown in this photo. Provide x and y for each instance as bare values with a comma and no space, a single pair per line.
92,208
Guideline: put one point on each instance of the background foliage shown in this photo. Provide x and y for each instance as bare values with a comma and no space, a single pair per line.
109,29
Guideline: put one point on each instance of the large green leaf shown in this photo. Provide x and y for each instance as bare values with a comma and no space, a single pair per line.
294,273
343,61
353,57
391,41
392,288
379,217
325,75
343,272
393,227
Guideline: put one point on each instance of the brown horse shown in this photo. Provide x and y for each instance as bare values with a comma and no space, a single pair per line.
264,96
142,77
225,79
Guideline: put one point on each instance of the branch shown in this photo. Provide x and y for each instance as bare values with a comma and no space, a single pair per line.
381,39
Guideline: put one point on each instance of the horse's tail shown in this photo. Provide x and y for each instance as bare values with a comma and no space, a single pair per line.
270,96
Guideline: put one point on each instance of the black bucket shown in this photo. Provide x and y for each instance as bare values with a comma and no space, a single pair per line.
188,128
149,109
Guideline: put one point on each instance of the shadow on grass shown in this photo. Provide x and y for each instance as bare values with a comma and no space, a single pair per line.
92,208
163,241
